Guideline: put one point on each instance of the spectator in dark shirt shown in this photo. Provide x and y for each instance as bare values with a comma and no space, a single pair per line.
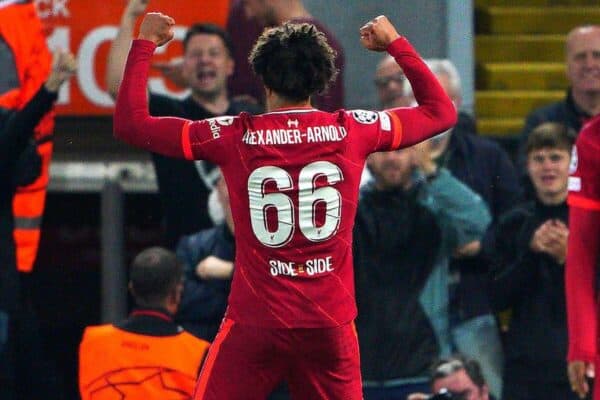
484,167
409,221
208,259
528,252
207,64
582,56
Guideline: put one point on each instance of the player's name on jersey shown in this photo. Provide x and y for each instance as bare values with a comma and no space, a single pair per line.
313,134
312,267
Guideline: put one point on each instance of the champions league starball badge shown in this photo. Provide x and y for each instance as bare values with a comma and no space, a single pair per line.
365,117
574,160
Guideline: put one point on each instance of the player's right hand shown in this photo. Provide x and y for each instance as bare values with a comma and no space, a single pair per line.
378,33
135,8
157,27
578,372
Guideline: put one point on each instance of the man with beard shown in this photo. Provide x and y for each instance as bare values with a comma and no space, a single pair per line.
411,218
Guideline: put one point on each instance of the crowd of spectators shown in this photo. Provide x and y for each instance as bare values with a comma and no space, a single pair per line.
448,233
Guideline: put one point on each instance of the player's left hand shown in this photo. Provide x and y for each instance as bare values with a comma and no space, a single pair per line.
158,28
378,33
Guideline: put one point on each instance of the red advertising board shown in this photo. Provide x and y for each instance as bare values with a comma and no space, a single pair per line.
86,28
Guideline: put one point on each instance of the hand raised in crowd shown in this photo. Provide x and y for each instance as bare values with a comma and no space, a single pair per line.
158,28
64,66
551,238
418,396
377,34
579,372
213,267
172,70
423,158
135,8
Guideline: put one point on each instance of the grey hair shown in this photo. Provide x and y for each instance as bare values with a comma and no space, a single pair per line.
441,66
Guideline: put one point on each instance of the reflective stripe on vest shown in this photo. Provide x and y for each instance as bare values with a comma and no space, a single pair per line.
150,367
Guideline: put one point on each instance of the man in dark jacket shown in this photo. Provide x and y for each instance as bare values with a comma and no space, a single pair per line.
207,64
208,259
583,96
485,168
16,130
406,228
528,255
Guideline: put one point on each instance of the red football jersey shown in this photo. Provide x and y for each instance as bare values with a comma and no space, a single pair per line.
584,244
293,178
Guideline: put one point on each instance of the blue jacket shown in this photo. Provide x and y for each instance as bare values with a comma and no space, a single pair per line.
204,302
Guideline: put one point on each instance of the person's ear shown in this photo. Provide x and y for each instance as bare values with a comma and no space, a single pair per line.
230,65
485,392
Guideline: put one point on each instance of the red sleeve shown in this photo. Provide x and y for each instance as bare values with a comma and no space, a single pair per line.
582,256
404,127
132,121
583,246
435,112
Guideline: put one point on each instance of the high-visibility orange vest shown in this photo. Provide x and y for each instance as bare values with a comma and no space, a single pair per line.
22,30
116,364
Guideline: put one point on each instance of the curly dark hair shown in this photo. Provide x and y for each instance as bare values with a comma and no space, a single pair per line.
294,60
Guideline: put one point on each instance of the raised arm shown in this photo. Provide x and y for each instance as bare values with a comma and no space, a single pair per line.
117,55
435,112
132,121
20,125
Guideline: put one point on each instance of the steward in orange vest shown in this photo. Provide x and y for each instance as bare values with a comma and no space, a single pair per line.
18,336
25,63
147,356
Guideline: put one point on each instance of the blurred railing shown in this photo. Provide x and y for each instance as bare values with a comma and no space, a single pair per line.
110,180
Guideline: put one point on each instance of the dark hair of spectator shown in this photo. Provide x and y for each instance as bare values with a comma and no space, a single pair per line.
551,135
448,366
154,275
208,29
294,60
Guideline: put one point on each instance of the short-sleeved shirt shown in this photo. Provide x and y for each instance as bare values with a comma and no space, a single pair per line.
293,178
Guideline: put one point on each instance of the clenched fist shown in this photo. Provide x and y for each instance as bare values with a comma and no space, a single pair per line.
378,33
157,28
